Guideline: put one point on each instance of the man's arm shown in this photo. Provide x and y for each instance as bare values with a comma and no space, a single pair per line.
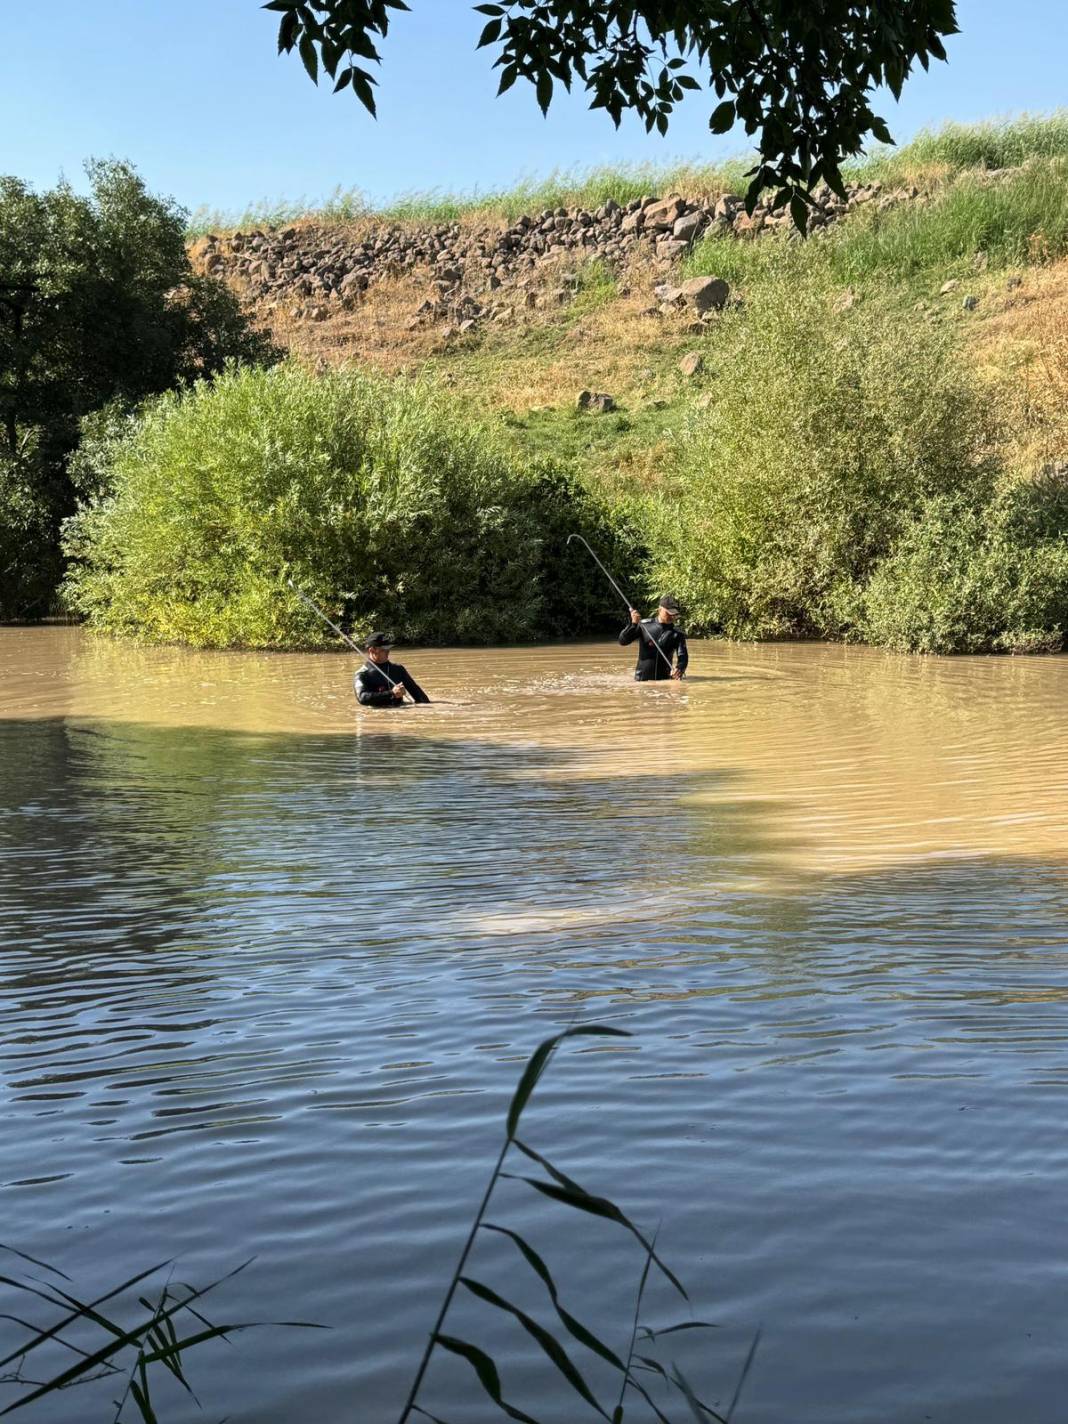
368,696
411,686
632,630
682,654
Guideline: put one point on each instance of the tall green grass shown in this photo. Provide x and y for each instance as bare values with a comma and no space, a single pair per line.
585,188
953,149
129,1338
1006,221
1012,220
618,1372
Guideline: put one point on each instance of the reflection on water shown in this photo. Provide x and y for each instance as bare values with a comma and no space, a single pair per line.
270,966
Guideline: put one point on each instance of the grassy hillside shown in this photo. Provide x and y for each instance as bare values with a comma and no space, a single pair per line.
869,441
979,252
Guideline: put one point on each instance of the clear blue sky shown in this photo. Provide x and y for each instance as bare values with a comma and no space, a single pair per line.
191,91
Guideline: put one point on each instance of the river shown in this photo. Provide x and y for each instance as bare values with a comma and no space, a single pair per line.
271,967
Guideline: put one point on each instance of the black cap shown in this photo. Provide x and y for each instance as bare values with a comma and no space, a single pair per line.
666,601
378,640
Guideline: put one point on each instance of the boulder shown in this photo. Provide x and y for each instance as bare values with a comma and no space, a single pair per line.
662,216
688,226
704,294
692,364
596,403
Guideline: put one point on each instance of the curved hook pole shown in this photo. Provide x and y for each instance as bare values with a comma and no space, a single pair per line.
646,634
343,636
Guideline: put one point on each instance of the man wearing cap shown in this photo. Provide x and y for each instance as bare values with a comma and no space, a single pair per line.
660,640
380,683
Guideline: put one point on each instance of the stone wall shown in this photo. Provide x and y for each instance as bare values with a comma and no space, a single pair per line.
473,268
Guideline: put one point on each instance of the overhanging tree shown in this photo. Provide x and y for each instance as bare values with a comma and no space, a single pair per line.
799,75
98,303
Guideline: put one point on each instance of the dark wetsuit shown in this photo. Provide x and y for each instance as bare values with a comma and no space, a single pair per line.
671,641
372,689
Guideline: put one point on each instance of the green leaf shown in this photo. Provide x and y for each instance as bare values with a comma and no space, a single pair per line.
723,116
569,1193
490,33
508,78
54,1270
544,90
881,132
486,1370
551,1347
650,1334
489,9
144,1404
574,1326
309,56
361,87
745,1373
700,1412
288,31
799,213
539,1059
344,79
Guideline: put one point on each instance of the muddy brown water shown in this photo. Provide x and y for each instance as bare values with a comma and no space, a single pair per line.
271,965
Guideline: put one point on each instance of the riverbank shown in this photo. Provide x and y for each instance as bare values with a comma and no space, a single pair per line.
520,301
859,437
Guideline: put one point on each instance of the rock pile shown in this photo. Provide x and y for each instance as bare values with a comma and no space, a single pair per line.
311,269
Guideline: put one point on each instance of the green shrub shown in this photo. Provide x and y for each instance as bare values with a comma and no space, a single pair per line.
375,494
976,577
29,559
829,427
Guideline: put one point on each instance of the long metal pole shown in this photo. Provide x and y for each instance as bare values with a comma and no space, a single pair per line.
648,636
342,635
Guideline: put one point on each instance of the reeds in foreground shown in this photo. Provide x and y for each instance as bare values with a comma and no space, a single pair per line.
628,1363
125,1345
123,1338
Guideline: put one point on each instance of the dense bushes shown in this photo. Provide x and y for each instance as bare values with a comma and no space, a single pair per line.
845,484
970,576
377,494
29,560
829,429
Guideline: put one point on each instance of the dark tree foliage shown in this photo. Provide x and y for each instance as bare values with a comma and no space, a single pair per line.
797,74
98,304
98,301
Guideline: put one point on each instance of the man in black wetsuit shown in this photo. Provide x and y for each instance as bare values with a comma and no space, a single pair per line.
660,640
380,683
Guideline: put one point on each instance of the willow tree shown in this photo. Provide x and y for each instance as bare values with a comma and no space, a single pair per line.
799,76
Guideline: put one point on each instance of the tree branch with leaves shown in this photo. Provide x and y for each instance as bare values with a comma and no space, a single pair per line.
799,76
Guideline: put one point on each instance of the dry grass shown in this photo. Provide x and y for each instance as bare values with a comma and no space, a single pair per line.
1021,349
533,359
